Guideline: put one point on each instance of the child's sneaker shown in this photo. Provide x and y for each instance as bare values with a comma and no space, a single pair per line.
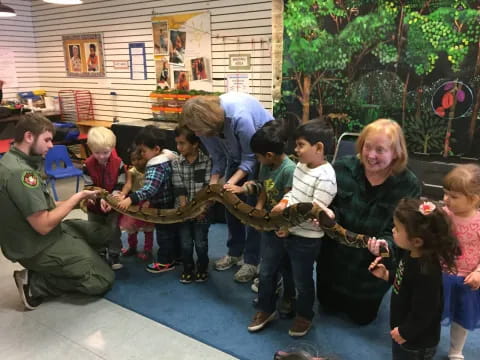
115,262
131,251
255,284
227,262
157,268
246,273
201,276
146,256
300,327
187,277
260,320
202,273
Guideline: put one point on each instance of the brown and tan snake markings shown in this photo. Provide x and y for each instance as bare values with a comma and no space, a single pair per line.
259,219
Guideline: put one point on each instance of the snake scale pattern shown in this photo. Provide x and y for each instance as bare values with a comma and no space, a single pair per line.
259,219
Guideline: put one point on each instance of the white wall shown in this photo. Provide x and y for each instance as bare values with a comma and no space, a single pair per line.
237,26
16,34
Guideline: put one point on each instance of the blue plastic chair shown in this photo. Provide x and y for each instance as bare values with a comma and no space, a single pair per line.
58,165
345,145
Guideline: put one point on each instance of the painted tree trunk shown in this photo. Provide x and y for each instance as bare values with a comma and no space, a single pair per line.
404,99
307,83
320,103
473,119
277,48
451,116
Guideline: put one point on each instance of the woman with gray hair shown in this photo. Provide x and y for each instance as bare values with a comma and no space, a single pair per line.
225,125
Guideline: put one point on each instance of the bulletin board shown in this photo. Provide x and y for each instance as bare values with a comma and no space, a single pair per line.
138,61
183,51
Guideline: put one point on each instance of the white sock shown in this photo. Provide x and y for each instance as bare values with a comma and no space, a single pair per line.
458,335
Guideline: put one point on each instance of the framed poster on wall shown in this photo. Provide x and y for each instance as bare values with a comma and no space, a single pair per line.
160,38
84,55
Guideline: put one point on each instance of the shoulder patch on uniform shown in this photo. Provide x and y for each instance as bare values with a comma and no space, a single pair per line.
30,179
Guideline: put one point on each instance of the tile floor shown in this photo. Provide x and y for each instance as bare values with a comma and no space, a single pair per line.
79,327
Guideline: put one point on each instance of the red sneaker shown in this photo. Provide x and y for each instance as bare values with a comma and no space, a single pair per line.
146,256
129,251
157,268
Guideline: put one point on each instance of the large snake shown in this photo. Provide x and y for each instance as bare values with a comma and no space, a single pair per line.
261,220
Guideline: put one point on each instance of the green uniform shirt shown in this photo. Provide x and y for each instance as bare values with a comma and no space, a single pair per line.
276,181
365,210
23,192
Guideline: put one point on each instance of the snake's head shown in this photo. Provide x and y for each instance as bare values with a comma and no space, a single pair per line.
324,220
304,208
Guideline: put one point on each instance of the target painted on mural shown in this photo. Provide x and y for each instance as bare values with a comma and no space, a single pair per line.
453,99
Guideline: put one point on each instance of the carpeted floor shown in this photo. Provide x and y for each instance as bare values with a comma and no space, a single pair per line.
217,313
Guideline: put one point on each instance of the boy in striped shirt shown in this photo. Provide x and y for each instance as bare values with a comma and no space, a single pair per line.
313,181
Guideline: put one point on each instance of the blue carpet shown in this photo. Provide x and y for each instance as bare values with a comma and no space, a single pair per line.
217,313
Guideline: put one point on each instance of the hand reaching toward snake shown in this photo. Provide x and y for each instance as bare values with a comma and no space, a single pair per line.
261,220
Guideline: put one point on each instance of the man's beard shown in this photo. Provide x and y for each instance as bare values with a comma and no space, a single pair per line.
34,149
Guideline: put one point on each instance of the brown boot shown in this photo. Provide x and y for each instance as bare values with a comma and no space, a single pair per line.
260,320
300,327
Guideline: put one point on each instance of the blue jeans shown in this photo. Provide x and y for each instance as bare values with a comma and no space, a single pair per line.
284,268
400,352
302,252
167,237
195,234
242,239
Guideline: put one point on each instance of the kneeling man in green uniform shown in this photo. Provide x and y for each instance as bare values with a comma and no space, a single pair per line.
58,256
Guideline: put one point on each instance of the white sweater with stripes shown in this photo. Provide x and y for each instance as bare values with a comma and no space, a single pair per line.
312,185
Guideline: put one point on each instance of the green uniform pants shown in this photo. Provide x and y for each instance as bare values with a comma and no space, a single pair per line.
111,220
72,263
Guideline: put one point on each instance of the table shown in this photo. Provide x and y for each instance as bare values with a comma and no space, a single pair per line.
85,125
7,125
80,140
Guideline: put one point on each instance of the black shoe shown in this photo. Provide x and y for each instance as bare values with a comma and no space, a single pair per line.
105,255
201,276
23,286
186,277
114,261
202,273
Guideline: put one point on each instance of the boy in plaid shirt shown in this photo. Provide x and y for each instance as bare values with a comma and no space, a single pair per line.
157,190
191,172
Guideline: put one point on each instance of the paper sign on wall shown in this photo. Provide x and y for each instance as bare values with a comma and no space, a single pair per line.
120,64
238,83
239,62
